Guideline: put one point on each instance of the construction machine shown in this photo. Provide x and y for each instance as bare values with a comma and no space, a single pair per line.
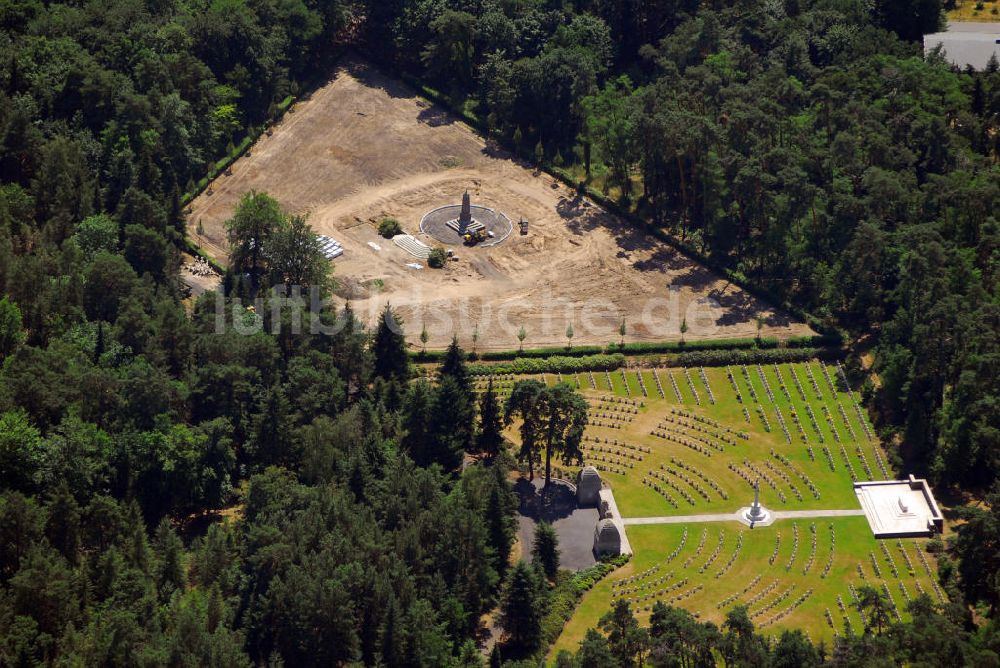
474,237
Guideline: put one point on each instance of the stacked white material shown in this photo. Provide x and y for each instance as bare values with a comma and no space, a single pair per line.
412,246
330,248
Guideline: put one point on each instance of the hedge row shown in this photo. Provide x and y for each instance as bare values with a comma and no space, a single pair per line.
553,364
815,341
709,344
640,348
224,163
586,579
569,588
575,351
723,357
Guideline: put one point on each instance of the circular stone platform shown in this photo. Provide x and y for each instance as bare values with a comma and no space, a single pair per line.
435,223
766,518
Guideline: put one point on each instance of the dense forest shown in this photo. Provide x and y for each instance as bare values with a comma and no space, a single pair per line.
172,495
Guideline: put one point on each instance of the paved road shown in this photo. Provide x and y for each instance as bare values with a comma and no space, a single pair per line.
731,517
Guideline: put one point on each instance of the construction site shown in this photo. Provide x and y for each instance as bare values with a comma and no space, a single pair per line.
533,253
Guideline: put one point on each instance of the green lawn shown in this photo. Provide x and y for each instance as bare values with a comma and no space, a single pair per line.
662,425
854,545
835,489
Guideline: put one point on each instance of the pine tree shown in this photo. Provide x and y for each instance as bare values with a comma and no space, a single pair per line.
628,640
135,546
175,217
389,347
500,526
270,441
451,424
545,551
215,609
62,527
100,345
553,419
393,641
453,365
169,567
521,611
417,419
594,651
489,440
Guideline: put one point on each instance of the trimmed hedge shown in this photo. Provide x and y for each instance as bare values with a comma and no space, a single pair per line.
575,351
222,165
551,365
586,579
708,344
639,348
723,357
569,588
817,341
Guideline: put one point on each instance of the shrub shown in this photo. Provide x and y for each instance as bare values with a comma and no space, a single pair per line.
723,357
389,227
551,365
817,341
438,257
710,344
575,351
567,592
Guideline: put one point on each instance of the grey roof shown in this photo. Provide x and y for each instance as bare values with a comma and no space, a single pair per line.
967,43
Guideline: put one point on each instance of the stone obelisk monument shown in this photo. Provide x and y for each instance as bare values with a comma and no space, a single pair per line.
755,514
465,223
465,217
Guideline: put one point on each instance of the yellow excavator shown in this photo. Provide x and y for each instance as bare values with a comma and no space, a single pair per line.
473,238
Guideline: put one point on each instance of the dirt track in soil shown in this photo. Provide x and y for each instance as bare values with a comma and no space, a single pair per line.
364,146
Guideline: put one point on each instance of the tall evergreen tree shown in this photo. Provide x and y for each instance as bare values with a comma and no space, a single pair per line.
500,523
417,412
451,423
489,439
521,610
169,560
545,550
389,347
594,651
453,366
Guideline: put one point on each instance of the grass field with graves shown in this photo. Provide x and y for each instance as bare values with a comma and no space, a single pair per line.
676,441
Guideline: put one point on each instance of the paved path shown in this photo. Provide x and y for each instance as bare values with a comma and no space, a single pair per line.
731,517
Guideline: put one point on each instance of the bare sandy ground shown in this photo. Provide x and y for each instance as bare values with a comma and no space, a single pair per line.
364,146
